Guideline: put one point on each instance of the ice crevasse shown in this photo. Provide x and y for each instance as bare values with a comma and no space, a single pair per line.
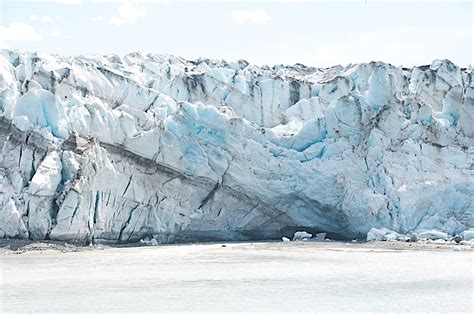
116,149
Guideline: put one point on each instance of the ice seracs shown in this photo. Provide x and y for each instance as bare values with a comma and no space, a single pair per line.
109,148
12,225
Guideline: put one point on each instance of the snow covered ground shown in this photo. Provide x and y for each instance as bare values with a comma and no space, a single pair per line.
295,276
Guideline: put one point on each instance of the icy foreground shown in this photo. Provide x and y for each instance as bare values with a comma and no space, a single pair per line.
105,148
263,277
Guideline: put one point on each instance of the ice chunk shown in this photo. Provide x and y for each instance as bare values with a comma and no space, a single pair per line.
9,88
47,178
41,108
301,236
468,235
11,224
375,234
414,237
203,67
433,235
22,123
305,109
148,241
380,92
320,236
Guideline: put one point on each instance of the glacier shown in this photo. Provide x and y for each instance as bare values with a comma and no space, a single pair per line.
105,148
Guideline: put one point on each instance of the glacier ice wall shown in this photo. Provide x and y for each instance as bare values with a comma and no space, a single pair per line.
109,148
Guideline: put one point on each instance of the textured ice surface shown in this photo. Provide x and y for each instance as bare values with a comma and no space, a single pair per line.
273,277
302,235
375,234
108,148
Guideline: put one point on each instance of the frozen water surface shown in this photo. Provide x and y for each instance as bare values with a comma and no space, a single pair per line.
238,277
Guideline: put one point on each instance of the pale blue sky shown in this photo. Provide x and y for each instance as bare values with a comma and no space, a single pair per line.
318,33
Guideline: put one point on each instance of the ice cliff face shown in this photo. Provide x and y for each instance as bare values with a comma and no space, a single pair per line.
105,148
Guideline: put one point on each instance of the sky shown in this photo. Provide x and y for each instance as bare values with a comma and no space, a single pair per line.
315,33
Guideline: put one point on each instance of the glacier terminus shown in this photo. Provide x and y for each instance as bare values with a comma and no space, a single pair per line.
115,149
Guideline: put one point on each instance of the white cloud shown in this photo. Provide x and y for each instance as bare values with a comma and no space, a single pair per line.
41,18
15,32
67,2
134,1
258,16
155,1
75,2
99,18
404,46
128,13
54,33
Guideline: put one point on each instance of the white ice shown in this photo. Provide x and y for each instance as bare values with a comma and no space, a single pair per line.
109,148
278,277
